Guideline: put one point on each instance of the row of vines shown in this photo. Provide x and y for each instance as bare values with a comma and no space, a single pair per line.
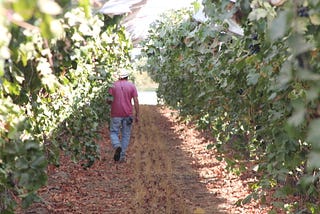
258,93
56,62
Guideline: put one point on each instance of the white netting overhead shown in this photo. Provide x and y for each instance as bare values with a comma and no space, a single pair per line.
141,13
119,7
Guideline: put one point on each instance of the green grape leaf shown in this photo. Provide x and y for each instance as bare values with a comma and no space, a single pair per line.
257,14
314,133
278,26
252,78
315,19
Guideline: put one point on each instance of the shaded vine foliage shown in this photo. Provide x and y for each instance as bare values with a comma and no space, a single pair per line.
56,64
258,93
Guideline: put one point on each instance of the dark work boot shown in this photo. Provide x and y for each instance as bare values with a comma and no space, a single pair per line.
116,156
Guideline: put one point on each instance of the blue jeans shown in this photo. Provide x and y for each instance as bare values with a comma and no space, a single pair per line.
120,125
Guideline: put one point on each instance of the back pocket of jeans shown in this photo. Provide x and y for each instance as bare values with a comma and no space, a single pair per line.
129,120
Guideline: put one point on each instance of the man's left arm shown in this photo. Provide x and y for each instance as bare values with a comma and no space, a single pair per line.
136,107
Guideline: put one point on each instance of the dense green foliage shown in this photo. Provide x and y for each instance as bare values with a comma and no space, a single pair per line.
56,63
257,93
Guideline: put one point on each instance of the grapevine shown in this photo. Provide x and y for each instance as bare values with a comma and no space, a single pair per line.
258,93
56,63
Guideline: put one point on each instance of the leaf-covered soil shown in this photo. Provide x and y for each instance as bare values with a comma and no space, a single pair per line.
168,170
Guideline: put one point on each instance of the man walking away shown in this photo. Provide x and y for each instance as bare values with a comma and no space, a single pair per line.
122,92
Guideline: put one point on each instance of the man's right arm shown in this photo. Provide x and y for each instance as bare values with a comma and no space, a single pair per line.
109,100
109,97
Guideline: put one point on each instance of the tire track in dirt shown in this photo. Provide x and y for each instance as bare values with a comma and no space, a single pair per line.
154,183
169,181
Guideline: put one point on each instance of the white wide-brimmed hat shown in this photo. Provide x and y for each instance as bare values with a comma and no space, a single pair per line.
123,73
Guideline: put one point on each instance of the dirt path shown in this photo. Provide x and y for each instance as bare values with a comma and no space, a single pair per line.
168,170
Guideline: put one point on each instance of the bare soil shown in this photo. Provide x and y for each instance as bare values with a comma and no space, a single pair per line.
168,170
